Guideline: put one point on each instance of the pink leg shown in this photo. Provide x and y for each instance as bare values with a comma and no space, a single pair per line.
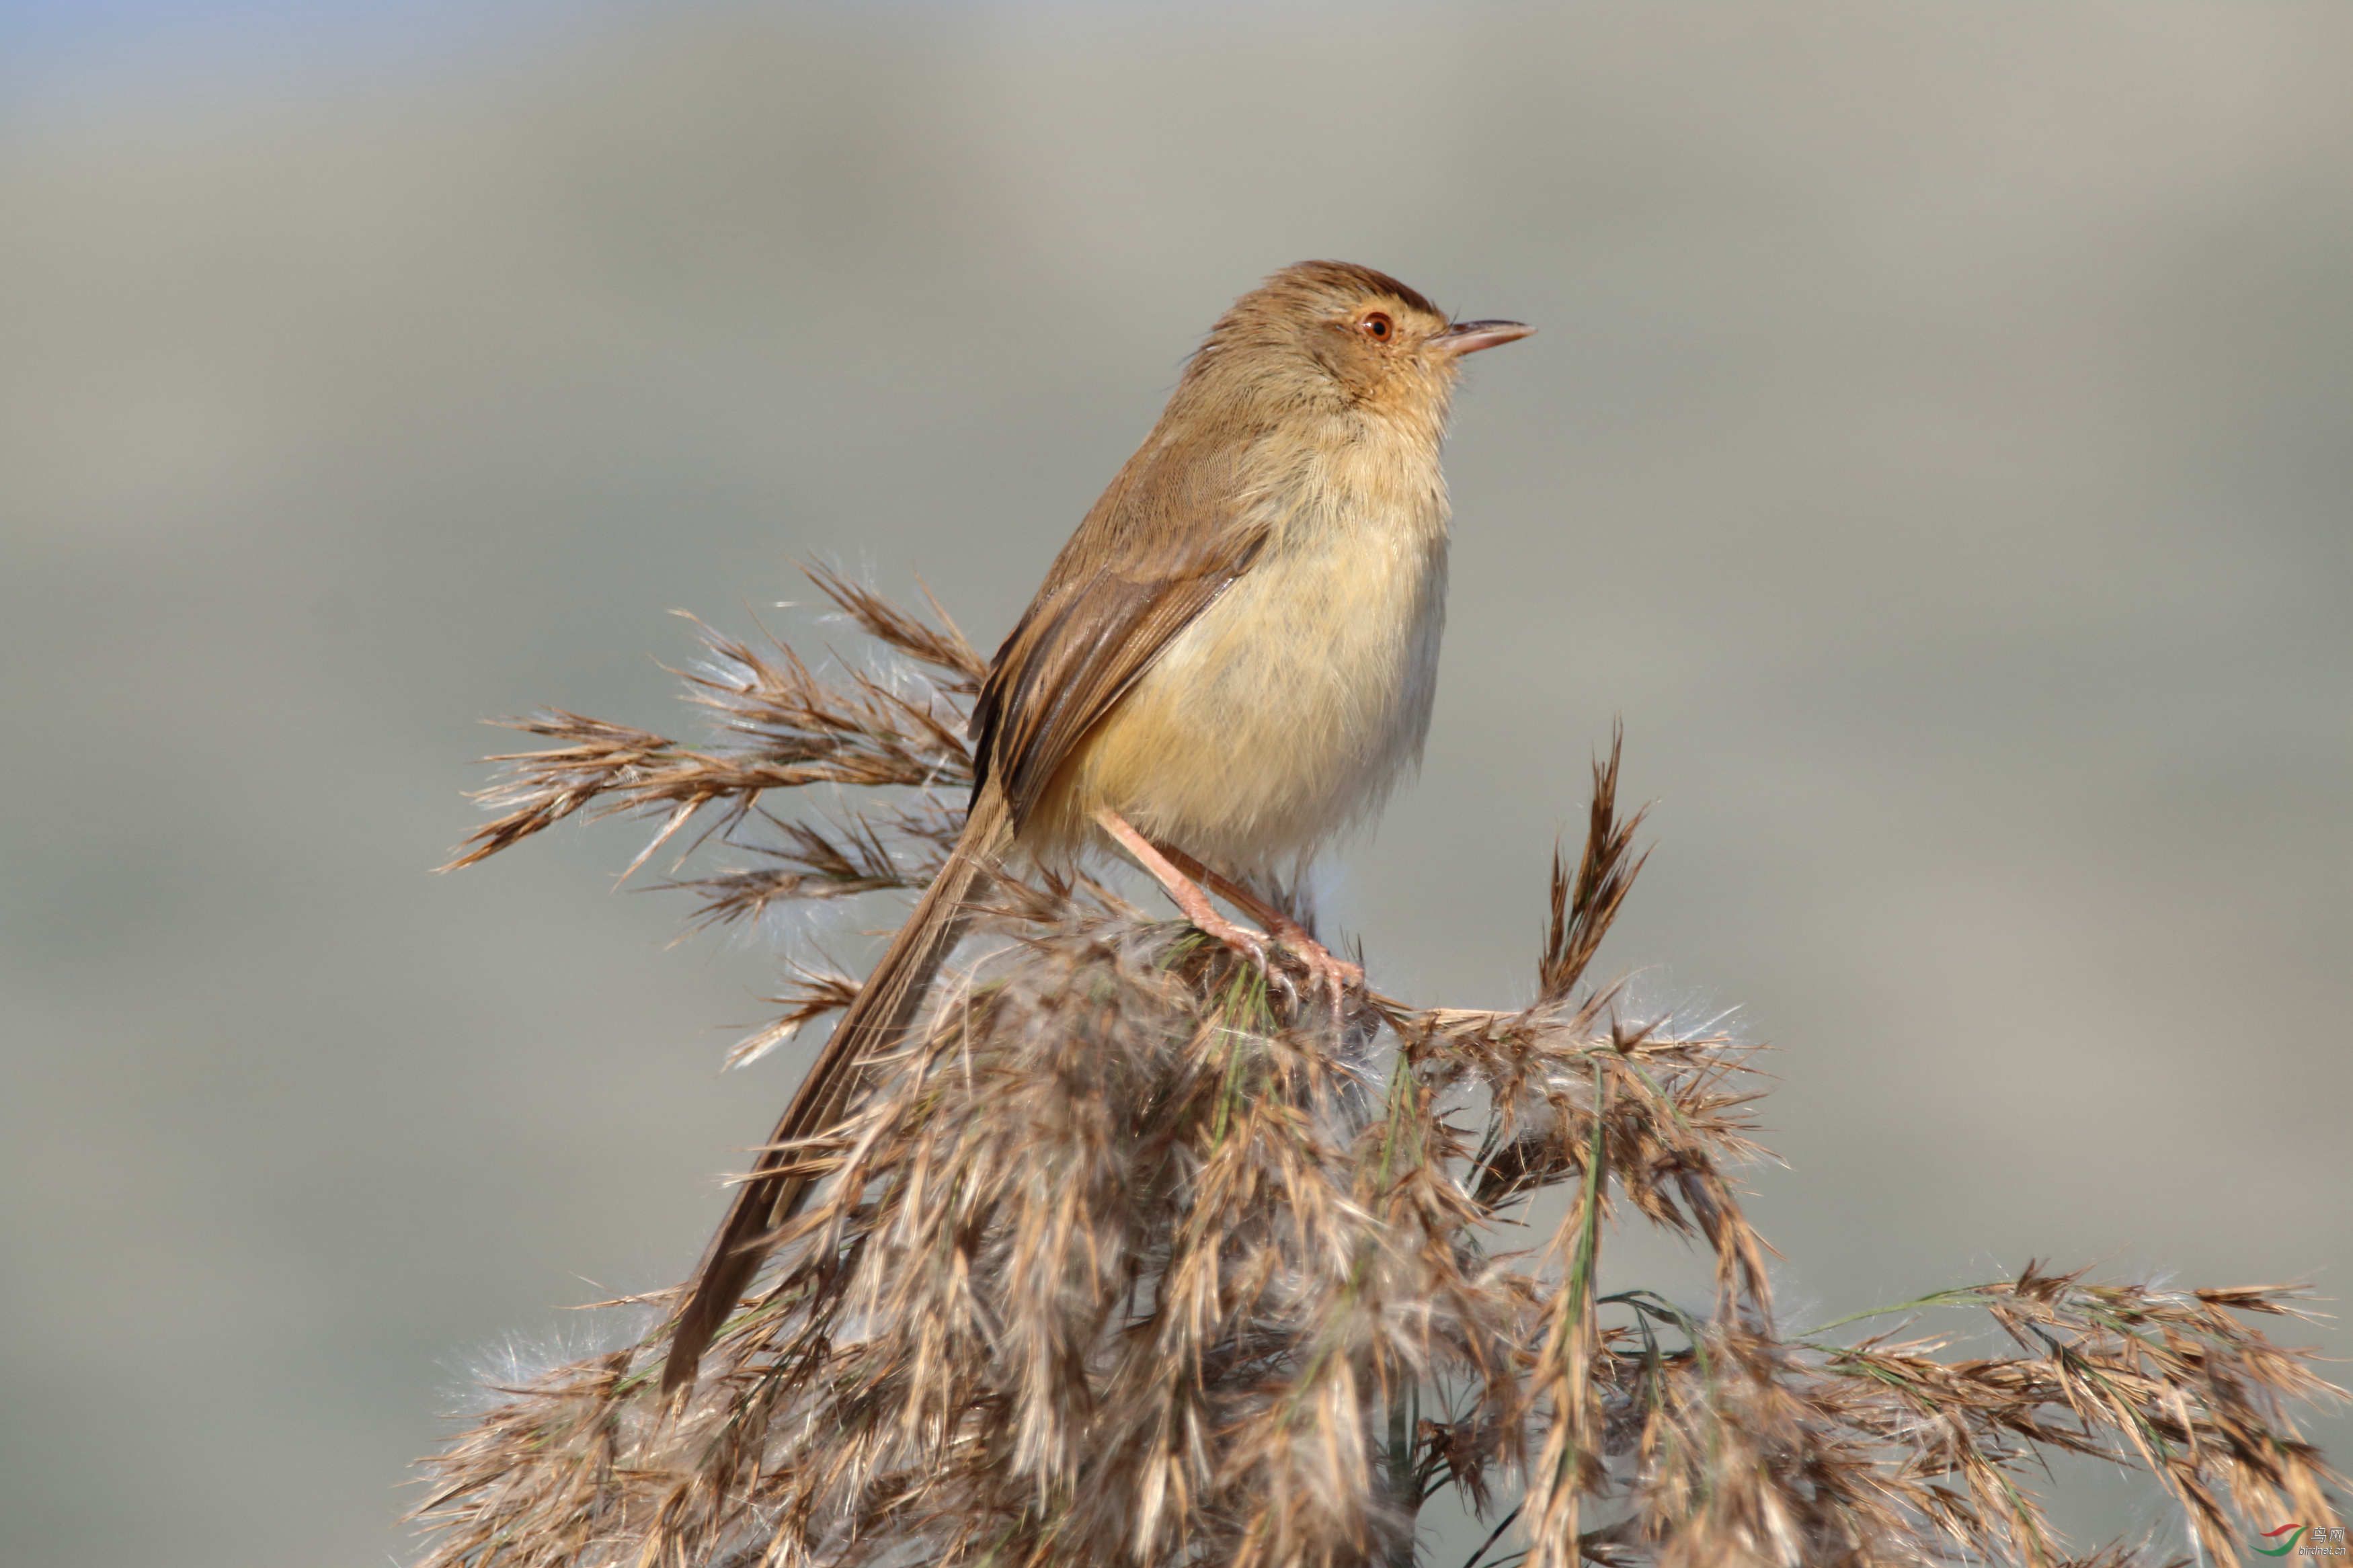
1331,973
1182,874
1328,971
1187,894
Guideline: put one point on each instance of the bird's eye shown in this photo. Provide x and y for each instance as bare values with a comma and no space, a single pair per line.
1376,325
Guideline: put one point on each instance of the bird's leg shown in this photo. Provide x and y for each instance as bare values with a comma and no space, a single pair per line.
1186,893
1331,973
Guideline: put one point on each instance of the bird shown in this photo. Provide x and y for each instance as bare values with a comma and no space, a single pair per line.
1232,661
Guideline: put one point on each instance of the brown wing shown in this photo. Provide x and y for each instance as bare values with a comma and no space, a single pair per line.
1148,559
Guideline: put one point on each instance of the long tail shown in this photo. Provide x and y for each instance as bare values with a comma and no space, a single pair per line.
883,1010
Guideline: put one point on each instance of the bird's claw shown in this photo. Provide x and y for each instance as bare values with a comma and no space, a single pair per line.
1239,939
1330,975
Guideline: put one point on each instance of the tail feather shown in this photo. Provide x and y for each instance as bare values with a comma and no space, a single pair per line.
885,1008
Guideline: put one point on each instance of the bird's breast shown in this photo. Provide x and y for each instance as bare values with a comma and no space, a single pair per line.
1289,706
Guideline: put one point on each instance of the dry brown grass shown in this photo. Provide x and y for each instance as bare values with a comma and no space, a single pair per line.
1132,1256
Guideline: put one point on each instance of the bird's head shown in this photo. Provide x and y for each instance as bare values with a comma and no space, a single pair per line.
1327,332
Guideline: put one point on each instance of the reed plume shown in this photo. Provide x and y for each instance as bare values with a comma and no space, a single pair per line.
1134,1254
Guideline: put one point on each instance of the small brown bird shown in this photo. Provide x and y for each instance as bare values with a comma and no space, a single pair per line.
1229,662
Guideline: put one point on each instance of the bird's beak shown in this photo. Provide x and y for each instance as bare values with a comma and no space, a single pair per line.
1470,337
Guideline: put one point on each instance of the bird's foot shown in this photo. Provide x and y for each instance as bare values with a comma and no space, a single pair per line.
1175,870
1327,972
1249,946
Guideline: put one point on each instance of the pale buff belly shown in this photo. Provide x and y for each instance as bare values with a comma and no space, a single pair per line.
1287,711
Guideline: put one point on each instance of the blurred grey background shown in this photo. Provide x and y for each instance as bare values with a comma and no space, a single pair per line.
1937,449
